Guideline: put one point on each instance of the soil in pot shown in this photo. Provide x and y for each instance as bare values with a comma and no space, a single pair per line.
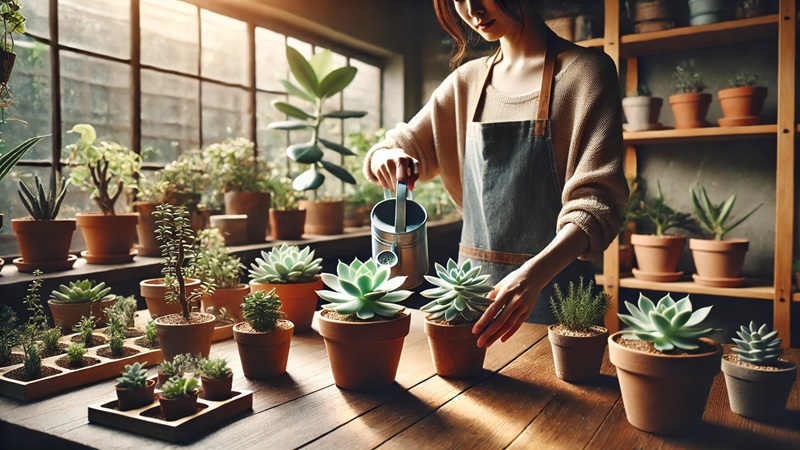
154,292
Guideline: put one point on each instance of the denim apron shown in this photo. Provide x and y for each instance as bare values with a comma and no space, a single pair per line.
512,195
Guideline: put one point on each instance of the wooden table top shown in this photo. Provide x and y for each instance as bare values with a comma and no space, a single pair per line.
517,402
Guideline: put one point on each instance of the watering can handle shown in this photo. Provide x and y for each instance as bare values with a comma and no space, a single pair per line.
387,194
400,208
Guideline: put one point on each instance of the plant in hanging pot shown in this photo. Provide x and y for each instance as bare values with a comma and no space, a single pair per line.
215,264
690,104
363,326
665,364
718,261
642,110
742,101
77,299
318,82
459,301
133,388
577,339
178,397
286,219
108,169
12,21
264,338
216,378
294,274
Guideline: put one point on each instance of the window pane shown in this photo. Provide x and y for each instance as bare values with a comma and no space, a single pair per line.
102,26
225,54
271,61
38,14
271,142
170,37
225,113
170,116
364,94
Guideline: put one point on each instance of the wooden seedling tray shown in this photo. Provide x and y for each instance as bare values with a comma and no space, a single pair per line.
70,378
146,420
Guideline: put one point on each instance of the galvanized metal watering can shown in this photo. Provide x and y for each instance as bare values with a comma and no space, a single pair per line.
400,237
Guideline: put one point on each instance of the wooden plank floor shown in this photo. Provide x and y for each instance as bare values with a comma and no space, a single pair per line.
516,402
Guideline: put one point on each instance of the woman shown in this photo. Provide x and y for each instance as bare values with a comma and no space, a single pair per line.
529,144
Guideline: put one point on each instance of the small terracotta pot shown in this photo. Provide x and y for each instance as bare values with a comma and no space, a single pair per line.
263,355
325,218
230,299
233,227
109,239
759,394
287,224
217,389
744,104
577,358
67,315
256,206
298,300
154,292
128,399
43,241
193,338
690,109
657,254
455,350
719,261
146,229
174,409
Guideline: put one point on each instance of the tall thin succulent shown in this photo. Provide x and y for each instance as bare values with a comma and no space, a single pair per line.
41,205
669,324
286,264
715,218
581,307
459,292
758,345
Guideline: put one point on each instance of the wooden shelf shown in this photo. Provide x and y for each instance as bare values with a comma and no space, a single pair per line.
673,136
757,289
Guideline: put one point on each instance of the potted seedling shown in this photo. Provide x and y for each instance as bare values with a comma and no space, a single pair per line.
294,274
215,264
150,337
77,299
742,101
758,380
216,378
642,110
76,357
690,104
85,333
665,364
109,170
577,339
264,338
29,333
50,342
178,397
459,301
176,366
363,326
116,339
133,388
318,82
718,261
286,219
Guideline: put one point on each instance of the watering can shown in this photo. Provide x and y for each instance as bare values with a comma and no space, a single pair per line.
399,236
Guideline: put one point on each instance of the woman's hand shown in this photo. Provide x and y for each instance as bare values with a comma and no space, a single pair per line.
390,165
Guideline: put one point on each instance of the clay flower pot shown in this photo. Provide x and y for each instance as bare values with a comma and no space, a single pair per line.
652,15
109,239
576,357
263,355
287,224
230,299
146,229
67,315
177,337
719,263
216,389
325,218
758,393
128,399
154,292
657,256
43,241
255,205
741,106
298,300
690,109
642,113
233,228
455,350
174,409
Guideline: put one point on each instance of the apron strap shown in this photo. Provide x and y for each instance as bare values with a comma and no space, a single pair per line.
546,91
491,63
480,254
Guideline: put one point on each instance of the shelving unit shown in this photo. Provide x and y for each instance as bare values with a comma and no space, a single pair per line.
782,27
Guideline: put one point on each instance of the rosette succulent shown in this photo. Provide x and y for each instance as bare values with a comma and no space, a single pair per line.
83,291
133,377
668,324
363,289
286,264
459,291
758,345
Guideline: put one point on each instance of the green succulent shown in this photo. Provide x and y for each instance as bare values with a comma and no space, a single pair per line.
459,291
363,289
41,205
758,345
286,264
215,369
134,376
150,338
714,218
669,324
83,291
260,309
581,308
214,262
177,387
184,362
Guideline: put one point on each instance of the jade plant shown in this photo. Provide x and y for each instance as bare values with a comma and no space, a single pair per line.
9,335
261,310
286,264
213,369
43,205
716,218
669,325
758,345
460,292
83,291
134,376
180,387
581,307
363,290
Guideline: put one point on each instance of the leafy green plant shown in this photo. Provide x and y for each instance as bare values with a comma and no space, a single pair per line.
179,365
363,289
669,325
180,387
9,335
50,339
236,167
715,218
459,292
283,196
189,174
662,216
124,309
37,322
687,78
41,205
85,327
214,369
758,345
742,79
116,331
260,309
214,263
134,376
12,157
75,354
13,21
581,307
83,291
286,264
318,82
150,338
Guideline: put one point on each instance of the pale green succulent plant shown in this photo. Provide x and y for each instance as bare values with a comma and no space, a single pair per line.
459,291
758,345
363,289
669,324
83,291
134,376
286,264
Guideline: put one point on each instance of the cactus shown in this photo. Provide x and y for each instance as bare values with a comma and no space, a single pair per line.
459,292
177,387
41,205
83,291
261,310
286,264
134,376
758,345
214,369
581,308
669,324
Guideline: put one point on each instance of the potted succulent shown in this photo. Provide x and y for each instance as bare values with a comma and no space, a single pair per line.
459,301
704,12
124,309
577,339
133,388
690,104
318,83
286,219
642,110
363,326
757,378
742,101
665,364
178,397
223,269
83,298
176,366
109,169
216,378
718,261
294,274
13,21
264,338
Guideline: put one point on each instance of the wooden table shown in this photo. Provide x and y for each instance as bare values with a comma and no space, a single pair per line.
517,402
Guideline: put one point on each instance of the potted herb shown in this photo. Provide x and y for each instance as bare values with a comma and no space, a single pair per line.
85,329
116,339
690,104
458,303
109,170
264,338
216,378
215,264
178,397
133,388
77,299
318,83
176,366
286,219
758,380
718,261
642,110
76,357
363,326
294,274
13,21
577,339
665,364
742,101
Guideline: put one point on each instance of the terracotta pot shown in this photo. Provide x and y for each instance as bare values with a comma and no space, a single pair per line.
43,241
298,300
642,113
625,258
263,355
741,106
256,206
653,25
7,60
230,299
364,355
657,255
455,350
233,227
109,239
664,394
324,218
163,378
174,409
146,229
287,224
719,263
217,389
193,338
154,292
759,394
651,10
128,399
577,358
354,216
67,315
690,109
